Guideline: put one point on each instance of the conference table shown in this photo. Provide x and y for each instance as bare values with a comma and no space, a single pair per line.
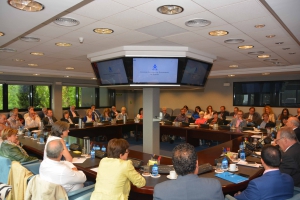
205,156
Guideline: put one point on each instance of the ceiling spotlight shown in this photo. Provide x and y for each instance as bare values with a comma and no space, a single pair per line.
279,42
292,53
197,22
270,36
94,78
246,47
263,56
66,21
231,75
26,5
8,50
259,26
233,66
66,76
30,39
1,72
218,33
2,34
33,65
256,53
276,63
70,68
286,48
63,44
234,41
18,60
103,30
170,9
36,74
265,74
37,53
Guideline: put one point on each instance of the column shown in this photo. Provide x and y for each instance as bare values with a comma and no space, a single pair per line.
151,141
57,100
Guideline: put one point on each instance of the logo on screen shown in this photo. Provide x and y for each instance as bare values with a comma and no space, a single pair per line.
196,70
110,69
154,68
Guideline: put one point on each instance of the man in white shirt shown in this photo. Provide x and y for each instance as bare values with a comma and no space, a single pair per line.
293,122
63,173
32,119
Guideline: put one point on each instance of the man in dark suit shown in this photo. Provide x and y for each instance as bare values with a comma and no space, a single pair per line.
290,163
49,119
188,185
293,122
166,116
223,113
272,184
252,117
298,114
95,113
73,114
43,113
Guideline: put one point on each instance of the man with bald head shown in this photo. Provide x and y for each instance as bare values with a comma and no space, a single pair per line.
290,147
3,122
293,122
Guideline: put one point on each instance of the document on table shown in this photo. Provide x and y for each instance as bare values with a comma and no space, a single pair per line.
255,132
257,136
78,160
244,163
95,169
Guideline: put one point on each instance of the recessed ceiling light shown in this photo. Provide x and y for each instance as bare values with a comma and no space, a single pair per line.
103,30
37,53
286,48
36,74
2,34
33,65
265,74
292,53
70,68
218,33
30,39
63,44
276,63
271,60
259,26
234,41
231,75
246,47
279,42
94,78
263,56
8,50
66,76
256,52
1,72
66,21
197,22
18,60
233,66
270,36
26,5
170,9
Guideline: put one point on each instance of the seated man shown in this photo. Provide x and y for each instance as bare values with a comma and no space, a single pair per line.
63,173
252,117
272,184
182,117
166,116
223,113
74,115
49,119
113,113
95,113
187,185
122,114
235,112
14,120
3,122
238,121
290,163
32,119
298,114
293,123
43,113
266,123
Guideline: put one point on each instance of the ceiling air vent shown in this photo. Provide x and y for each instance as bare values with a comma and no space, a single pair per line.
66,21
256,53
271,60
8,50
197,22
30,39
234,41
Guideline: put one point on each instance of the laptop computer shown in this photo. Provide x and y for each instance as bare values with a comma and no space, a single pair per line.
204,125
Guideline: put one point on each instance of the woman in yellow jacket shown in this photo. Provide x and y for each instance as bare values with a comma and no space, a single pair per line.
115,173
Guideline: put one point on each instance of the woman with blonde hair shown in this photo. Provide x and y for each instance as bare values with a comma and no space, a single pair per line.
269,111
105,116
89,116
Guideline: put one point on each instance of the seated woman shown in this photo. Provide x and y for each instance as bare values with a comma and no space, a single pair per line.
269,111
215,120
59,131
66,117
89,116
209,112
10,147
105,116
116,173
122,114
283,121
140,115
239,121
201,119
195,115
284,114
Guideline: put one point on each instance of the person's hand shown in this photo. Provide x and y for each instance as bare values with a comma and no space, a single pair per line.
74,169
239,192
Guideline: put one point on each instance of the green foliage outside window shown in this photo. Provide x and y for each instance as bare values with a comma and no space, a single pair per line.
1,97
41,96
68,96
18,96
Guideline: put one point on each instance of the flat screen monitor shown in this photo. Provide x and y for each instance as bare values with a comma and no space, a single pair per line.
111,72
195,73
155,70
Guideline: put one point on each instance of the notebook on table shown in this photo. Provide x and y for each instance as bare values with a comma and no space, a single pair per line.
234,178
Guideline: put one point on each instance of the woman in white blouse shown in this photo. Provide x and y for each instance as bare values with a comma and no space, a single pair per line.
209,112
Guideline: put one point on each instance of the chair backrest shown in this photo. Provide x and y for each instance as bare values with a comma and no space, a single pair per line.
170,111
4,169
82,193
176,111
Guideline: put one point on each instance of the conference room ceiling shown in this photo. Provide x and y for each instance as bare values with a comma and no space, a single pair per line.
137,22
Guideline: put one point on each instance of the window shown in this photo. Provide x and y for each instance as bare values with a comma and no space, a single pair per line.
1,97
68,96
86,96
273,93
41,96
18,96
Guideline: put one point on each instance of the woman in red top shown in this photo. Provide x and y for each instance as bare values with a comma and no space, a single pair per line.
201,119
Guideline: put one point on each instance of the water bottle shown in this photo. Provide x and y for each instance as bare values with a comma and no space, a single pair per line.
93,153
224,163
155,170
68,146
103,148
97,147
